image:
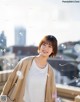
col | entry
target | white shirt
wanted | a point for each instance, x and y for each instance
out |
(35, 84)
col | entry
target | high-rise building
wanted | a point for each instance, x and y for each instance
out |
(20, 36)
(2, 39)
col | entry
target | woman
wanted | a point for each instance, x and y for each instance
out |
(34, 76)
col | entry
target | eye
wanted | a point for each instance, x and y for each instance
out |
(50, 46)
(44, 44)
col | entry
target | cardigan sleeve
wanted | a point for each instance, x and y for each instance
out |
(11, 77)
(54, 93)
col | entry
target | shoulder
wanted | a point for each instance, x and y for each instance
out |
(51, 69)
(26, 59)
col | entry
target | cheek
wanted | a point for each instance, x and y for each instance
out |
(51, 50)
(40, 49)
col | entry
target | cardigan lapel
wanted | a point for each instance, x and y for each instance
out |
(20, 97)
(48, 92)
(51, 92)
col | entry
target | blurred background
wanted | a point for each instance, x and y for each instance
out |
(24, 22)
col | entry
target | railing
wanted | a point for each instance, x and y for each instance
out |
(65, 92)
(68, 93)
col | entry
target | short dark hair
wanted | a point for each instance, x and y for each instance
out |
(51, 40)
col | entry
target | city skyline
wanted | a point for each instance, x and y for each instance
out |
(40, 17)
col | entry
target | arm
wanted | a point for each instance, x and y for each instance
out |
(11, 77)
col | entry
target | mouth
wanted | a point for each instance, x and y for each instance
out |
(44, 51)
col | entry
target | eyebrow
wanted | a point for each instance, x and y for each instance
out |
(47, 42)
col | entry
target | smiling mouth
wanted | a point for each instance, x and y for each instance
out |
(44, 52)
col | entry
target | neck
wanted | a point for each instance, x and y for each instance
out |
(41, 61)
(42, 58)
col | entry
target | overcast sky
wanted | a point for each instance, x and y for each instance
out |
(40, 17)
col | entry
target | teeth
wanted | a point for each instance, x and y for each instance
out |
(45, 52)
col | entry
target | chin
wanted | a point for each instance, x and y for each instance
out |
(44, 55)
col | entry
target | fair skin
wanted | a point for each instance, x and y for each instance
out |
(44, 52)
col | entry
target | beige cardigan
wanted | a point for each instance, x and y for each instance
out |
(18, 94)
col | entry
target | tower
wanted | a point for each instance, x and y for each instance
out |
(20, 36)
(2, 39)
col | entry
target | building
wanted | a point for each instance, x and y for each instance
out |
(20, 36)
(2, 40)
(22, 51)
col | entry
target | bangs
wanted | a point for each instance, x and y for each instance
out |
(47, 42)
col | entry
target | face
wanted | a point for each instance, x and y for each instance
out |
(46, 49)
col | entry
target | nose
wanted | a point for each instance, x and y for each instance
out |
(46, 47)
